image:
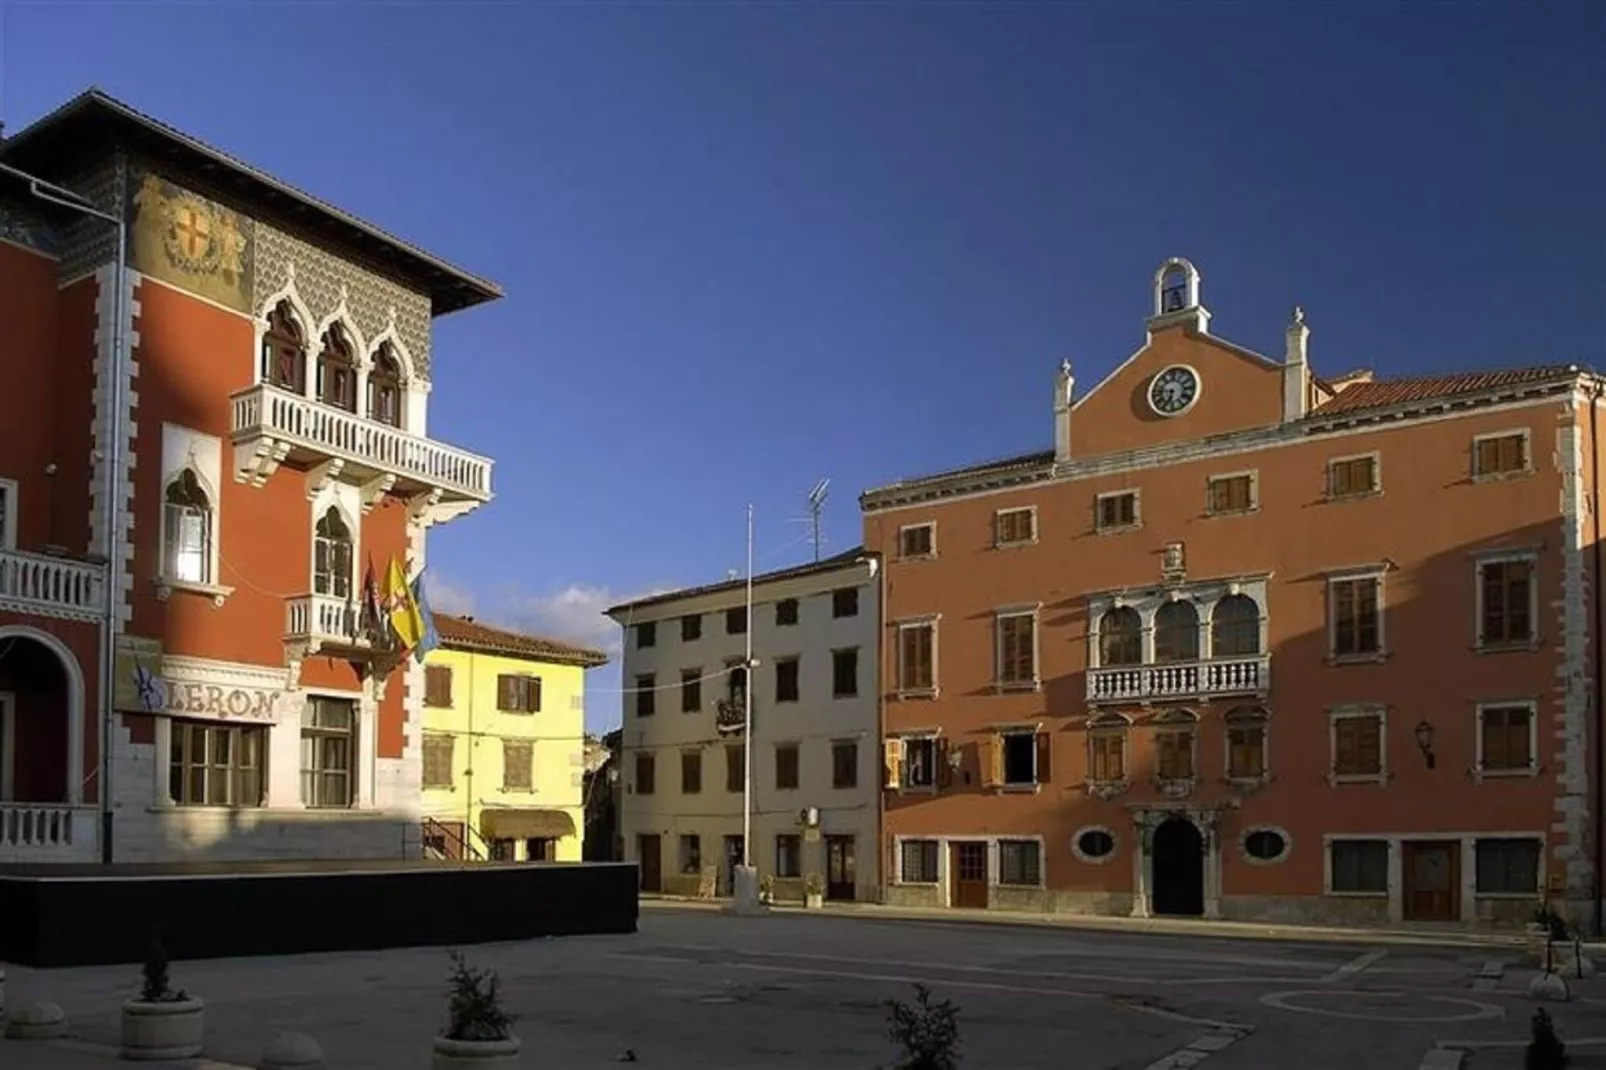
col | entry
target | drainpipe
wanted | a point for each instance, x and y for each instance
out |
(1599, 658)
(887, 861)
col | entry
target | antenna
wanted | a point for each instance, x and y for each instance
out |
(817, 498)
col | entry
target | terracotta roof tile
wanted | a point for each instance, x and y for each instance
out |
(465, 633)
(1382, 393)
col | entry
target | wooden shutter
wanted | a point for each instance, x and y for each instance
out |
(1045, 755)
(506, 693)
(944, 773)
(532, 694)
(990, 751)
(892, 760)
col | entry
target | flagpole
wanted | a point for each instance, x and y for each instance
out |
(747, 709)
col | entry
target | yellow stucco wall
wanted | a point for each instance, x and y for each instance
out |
(478, 729)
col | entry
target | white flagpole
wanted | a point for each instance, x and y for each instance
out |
(747, 709)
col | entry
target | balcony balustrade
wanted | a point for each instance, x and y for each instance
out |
(48, 832)
(1177, 681)
(51, 586)
(321, 620)
(273, 426)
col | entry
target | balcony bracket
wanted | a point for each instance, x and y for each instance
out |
(421, 506)
(257, 460)
(320, 476)
(374, 491)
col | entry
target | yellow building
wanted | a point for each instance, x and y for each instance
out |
(504, 744)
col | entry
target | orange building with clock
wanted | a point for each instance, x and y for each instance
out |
(1252, 642)
(206, 442)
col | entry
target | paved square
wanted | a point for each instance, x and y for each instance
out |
(699, 990)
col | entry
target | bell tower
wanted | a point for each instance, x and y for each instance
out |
(1176, 298)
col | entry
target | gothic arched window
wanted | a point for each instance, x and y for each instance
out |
(187, 530)
(1121, 637)
(332, 556)
(1176, 632)
(385, 388)
(337, 371)
(284, 355)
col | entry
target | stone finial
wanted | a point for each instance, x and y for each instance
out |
(1065, 368)
(1298, 318)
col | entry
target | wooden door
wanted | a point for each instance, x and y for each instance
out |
(967, 869)
(841, 867)
(649, 852)
(1432, 879)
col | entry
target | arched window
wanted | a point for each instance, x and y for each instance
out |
(1235, 627)
(337, 371)
(385, 388)
(331, 556)
(1176, 632)
(1121, 637)
(284, 357)
(1174, 290)
(187, 531)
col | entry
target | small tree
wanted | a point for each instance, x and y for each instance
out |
(154, 987)
(926, 1033)
(1545, 1050)
(474, 1004)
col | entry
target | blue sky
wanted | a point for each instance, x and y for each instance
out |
(748, 247)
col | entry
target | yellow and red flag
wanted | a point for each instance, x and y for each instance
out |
(406, 619)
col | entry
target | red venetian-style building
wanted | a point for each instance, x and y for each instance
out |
(203, 447)
(1251, 642)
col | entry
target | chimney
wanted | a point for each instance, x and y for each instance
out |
(1296, 368)
(1064, 385)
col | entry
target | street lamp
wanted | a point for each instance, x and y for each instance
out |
(62, 197)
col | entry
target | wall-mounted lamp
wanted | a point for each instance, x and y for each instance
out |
(1424, 742)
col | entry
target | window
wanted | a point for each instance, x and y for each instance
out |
(845, 602)
(736, 684)
(646, 694)
(845, 764)
(916, 647)
(1176, 632)
(438, 686)
(646, 774)
(1174, 758)
(917, 541)
(1246, 744)
(329, 752)
(1017, 649)
(8, 515)
(736, 620)
(337, 372)
(518, 694)
(1117, 511)
(1508, 866)
(1012, 527)
(1265, 845)
(735, 766)
(1358, 745)
(691, 627)
(332, 556)
(186, 532)
(691, 854)
(788, 855)
(646, 634)
(786, 766)
(385, 387)
(1505, 603)
(1500, 455)
(691, 690)
(1095, 844)
(1357, 616)
(1351, 477)
(1106, 742)
(918, 767)
(691, 772)
(917, 862)
(786, 680)
(845, 672)
(1231, 494)
(1121, 637)
(503, 850)
(438, 760)
(1235, 627)
(284, 362)
(518, 765)
(217, 765)
(786, 613)
(1505, 739)
(1019, 862)
(1360, 866)
(1018, 753)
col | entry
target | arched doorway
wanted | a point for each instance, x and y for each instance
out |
(41, 718)
(1178, 857)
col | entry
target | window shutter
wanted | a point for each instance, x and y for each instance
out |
(504, 692)
(939, 754)
(991, 753)
(1045, 754)
(892, 759)
(535, 694)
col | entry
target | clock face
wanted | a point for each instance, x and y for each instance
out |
(1173, 390)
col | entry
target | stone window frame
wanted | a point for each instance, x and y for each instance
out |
(930, 524)
(1356, 711)
(1532, 770)
(999, 514)
(1205, 596)
(995, 861)
(1101, 528)
(1243, 845)
(1378, 572)
(1375, 456)
(1032, 610)
(1175, 721)
(1095, 860)
(1528, 466)
(1392, 855)
(185, 449)
(928, 620)
(901, 741)
(897, 871)
(1239, 716)
(1539, 872)
(1252, 474)
(1481, 558)
(9, 492)
(1108, 724)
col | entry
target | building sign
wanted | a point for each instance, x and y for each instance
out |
(149, 681)
(161, 695)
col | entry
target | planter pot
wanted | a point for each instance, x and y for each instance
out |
(169, 1030)
(478, 1054)
(814, 901)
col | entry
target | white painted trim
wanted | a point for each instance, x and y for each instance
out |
(309, 337)
(1243, 845)
(333, 497)
(1095, 860)
(1356, 712)
(1391, 881)
(1532, 768)
(172, 471)
(8, 746)
(995, 862)
(1177, 722)
(999, 616)
(54, 258)
(897, 863)
(1030, 510)
(1529, 466)
(1252, 474)
(1098, 511)
(8, 517)
(1198, 390)
(74, 675)
(1495, 557)
(1375, 456)
(1378, 574)
(932, 524)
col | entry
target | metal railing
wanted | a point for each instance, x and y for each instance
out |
(468, 844)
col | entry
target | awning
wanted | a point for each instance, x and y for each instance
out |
(526, 824)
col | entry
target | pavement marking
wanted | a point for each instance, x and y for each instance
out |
(1284, 1001)
(1354, 966)
(1470, 1045)
(1488, 978)
(1201, 1049)
(1443, 1059)
(986, 986)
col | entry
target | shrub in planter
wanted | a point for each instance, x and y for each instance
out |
(766, 888)
(161, 1022)
(479, 1032)
(813, 891)
(926, 1033)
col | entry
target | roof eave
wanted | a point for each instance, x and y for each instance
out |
(845, 560)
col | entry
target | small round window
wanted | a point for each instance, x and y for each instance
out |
(1265, 845)
(1095, 843)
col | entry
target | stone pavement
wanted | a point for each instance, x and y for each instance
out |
(699, 990)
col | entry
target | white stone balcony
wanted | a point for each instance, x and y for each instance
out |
(48, 832)
(322, 621)
(273, 427)
(1181, 680)
(51, 586)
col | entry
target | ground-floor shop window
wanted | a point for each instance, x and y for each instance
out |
(1360, 866)
(1019, 862)
(329, 752)
(217, 765)
(918, 862)
(1508, 866)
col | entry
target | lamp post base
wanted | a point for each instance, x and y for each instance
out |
(745, 902)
